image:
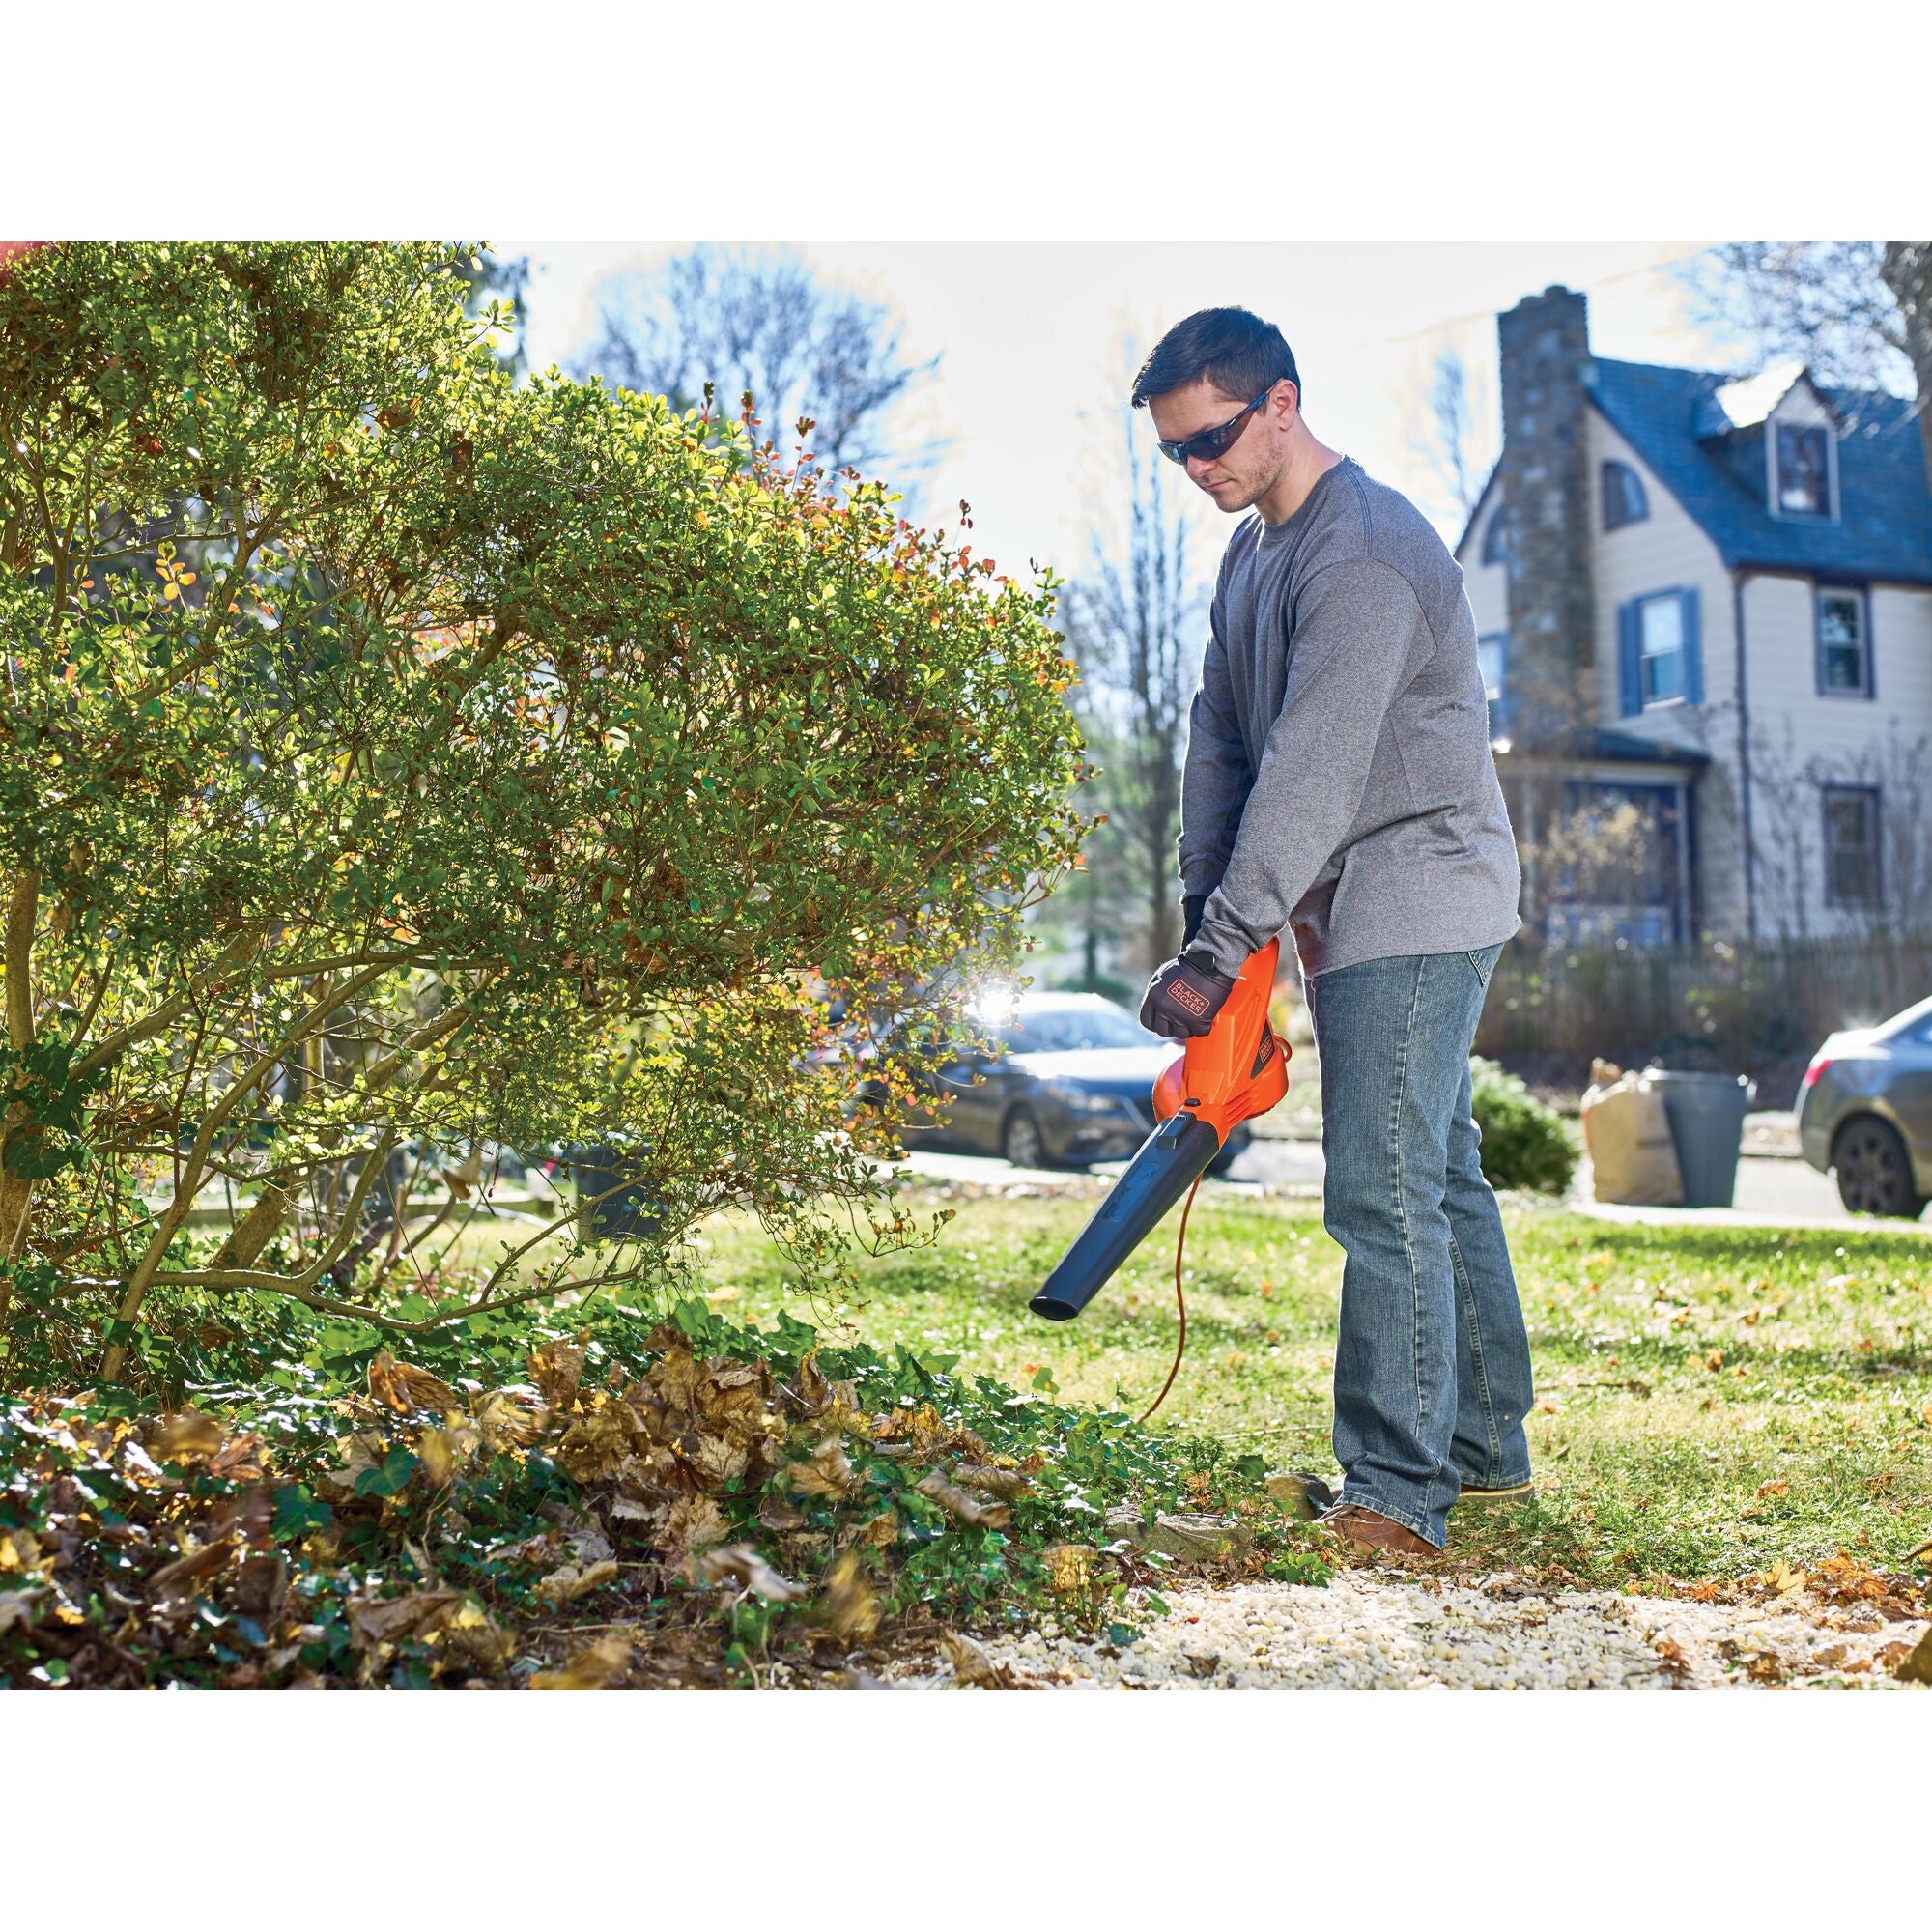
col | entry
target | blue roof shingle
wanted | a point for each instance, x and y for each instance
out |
(1884, 524)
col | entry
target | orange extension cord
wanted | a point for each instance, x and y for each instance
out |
(1179, 1301)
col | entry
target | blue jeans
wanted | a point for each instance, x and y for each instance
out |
(1431, 1368)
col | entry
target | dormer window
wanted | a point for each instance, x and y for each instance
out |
(1495, 539)
(1801, 485)
(1624, 498)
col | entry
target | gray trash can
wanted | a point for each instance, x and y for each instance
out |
(1706, 1112)
(616, 1216)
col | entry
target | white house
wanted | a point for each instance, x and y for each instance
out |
(1710, 600)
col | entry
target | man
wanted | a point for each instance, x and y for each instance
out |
(1339, 782)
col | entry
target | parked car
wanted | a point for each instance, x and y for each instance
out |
(1074, 1084)
(1865, 1112)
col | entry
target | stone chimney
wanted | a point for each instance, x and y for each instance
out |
(1544, 345)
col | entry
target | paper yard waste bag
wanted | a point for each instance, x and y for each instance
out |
(1628, 1134)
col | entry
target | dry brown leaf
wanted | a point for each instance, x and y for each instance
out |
(777, 1514)
(380, 1621)
(597, 1445)
(629, 1509)
(836, 1404)
(921, 1427)
(810, 1390)
(956, 1503)
(19, 1549)
(508, 1419)
(16, 1607)
(1007, 1483)
(361, 1450)
(718, 1460)
(694, 1523)
(262, 1584)
(469, 1630)
(566, 1584)
(588, 1544)
(851, 1610)
(1915, 1666)
(405, 1387)
(1069, 1567)
(591, 1668)
(241, 1459)
(673, 1376)
(557, 1367)
(446, 1450)
(1670, 1653)
(525, 1549)
(829, 1473)
(193, 1564)
(971, 1664)
(182, 1435)
(739, 1563)
(882, 1531)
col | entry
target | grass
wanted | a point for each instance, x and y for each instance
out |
(1711, 1402)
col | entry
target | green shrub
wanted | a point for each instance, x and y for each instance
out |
(397, 760)
(1525, 1143)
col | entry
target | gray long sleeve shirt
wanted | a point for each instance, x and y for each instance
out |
(1339, 777)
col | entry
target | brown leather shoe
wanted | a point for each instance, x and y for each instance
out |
(1507, 1493)
(1363, 1530)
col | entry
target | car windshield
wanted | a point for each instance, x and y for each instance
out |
(1072, 1029)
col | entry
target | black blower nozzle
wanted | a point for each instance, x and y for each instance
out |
(1171, 1159)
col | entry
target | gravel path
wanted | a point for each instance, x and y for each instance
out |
(1364, 1631)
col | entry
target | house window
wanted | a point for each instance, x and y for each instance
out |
(1495, 539)
(1803, 470)
(1851, 846)
(1661, 647)
(1493, 655)
(1844, 644)
(1624, 498)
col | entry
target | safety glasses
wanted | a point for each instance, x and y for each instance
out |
(1210, 443)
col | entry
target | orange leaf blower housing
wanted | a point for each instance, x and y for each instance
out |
(1236, 1070)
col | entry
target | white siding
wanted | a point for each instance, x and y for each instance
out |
(1487, 583)
(1802, 739)
(1668, 551)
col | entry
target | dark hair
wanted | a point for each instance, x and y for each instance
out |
(1239, 353)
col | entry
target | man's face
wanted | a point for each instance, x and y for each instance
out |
(1247, 468)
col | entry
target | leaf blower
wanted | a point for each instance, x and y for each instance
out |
(1236, 1070)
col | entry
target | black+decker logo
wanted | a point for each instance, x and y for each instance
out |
(1184, 995)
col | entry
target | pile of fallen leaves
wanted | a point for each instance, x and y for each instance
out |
(719, 1507)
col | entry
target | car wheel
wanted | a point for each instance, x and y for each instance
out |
(1874, 1171)
(1020, 1140)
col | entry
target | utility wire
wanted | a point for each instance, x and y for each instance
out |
(1600, 282)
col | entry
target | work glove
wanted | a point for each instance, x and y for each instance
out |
(1191, 909)
(1183, 997)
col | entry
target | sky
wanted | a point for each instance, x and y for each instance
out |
(1033, 370)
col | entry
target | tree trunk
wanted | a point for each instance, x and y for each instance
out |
(16, 1190)
(1908, 275)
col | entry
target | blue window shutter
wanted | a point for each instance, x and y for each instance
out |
(1694, 651)
(1630, 670)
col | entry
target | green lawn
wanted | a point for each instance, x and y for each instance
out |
(1711, 1402)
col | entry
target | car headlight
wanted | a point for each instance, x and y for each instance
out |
(1082, 1099)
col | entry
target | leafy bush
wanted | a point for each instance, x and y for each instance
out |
(1525, 1143)
(397, 762)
